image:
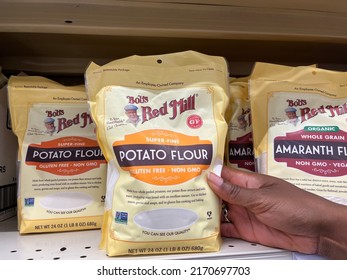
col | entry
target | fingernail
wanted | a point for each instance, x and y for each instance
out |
(215, 179)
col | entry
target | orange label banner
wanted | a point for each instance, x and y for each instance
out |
(163, 157)
(65, 156)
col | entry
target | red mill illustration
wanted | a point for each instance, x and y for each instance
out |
(177, 107)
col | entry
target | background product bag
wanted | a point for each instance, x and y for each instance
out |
(161, 127)
(300, 128)
(239, 140)
(62, 171)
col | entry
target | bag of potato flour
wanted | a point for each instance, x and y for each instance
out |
(161, 127)
(299, 126)
(62, 171)
(239, 140)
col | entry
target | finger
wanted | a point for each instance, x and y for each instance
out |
(241, 226)
(229, 230)
(241, 178)
(230, 193)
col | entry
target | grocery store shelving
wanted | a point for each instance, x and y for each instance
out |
(84, 245)
(60, 37)
(63, 36)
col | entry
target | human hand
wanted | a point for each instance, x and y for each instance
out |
(271, 211)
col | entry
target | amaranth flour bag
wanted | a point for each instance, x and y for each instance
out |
(239, 141)
(300, 128)
(161, 126)
(62, 171)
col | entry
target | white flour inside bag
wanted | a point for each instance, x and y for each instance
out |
(161, 126)
(62, 169)
(300, 126)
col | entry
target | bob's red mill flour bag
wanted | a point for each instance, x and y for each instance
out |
(239, 140)
(161, 127)
(62, 171)
(300, 126)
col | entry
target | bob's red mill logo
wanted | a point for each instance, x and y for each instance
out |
(172, 108)
(80, 119)
(307, 113)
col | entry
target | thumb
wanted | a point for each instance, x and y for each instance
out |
(228, 192)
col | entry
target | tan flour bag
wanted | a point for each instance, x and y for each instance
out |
(278, 72)
(62, 171)
(161, 126)
(300, 127)
(239, 140)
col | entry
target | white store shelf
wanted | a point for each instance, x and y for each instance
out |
(84, 245)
